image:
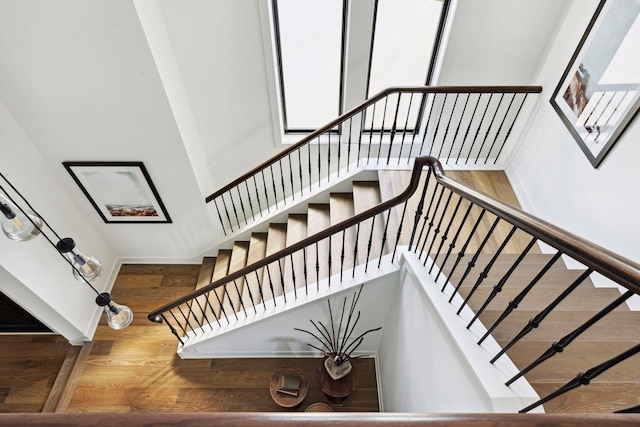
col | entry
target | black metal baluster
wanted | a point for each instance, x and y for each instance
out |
(452, 245)
(284, 292)
(373, 118)
(499, 128)
(562, 343)
(431, 219)
(210, 307)
(318, 269)
(293, 277)
(455, 135)
(445, 235)
(435, 134)
(204, 315)
(585, 378)
(399, 233)
(426, 127)
(370, 243)
(293, 191)
(248, 288)
(513, 304)
(360, 133)
(240, 299)
(179, 326)
(226, 292)
(463, 249)
(495, 113)
(328, 155)
(436, 232)
(310, 171)
(300, 171)
(244, 214)
(485, 272)
(304, 270)
(264, 304)
(384, 119)
(392, 135)
(226, 210)
(186, 319)
(446, 131)
(235, 212)
(474, 258)
(171, 328)
(538, 318)
(253, 215)
(284, 191)
(404, 131)
(473, 143)
(384, 236)
(329, 261)
(513, 122)
(222, 310)
(255, 186)
(355, 249)
(224, 230)
(273, 294)
(273, 183)
(339, 151)
(266, 194)
(416, 130)
(349, 145)
(466, 133)
(416, 220)
(498, 287)
(342, 254)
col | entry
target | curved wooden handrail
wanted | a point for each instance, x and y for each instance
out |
(420, 162)
(362, 107)
(270, 419)
(609, 264)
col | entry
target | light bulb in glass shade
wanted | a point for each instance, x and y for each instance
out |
(16, 226)
(85, 266)
(118, 316)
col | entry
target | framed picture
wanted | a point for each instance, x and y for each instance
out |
(598, 95)
(120, 191)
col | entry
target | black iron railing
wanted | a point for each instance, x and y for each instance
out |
(466, 125)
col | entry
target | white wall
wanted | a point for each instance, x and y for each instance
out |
(554, 180)
(32, 273)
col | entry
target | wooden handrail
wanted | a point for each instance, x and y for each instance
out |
(420, 162)
(609, 264)
(362, 107)
(270, 419)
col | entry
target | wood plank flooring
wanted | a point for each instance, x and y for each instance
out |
(137, 369)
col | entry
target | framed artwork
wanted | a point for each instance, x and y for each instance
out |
(121, 192)
(598, 95)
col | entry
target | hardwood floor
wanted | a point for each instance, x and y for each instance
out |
(137, 369)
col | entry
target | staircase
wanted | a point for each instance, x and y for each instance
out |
(290, 277)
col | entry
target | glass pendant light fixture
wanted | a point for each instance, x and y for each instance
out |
(15, 224)
(118, 316)
(20, 224)
(85, 266)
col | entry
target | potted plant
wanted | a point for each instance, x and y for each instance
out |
(337, 343)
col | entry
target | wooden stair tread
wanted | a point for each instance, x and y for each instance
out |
(341, 208)
(276, 240)
(206, 271)
(366, 194)
(318, 219)
(257, 251)
(234, 289)
(294, 265)
(220, 270)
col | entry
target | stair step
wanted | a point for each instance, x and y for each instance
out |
(341, 208)
(234, 289)
(366, 194)
(294, 265)
(257, 251)
(206, 272)
(276, 240)
(318, 219)
(220, 271)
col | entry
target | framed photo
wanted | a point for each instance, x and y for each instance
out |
(598, 95)
(120, 191)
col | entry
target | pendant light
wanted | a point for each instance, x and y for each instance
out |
(24, 223)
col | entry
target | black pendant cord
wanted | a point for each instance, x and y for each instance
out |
(41, 228)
